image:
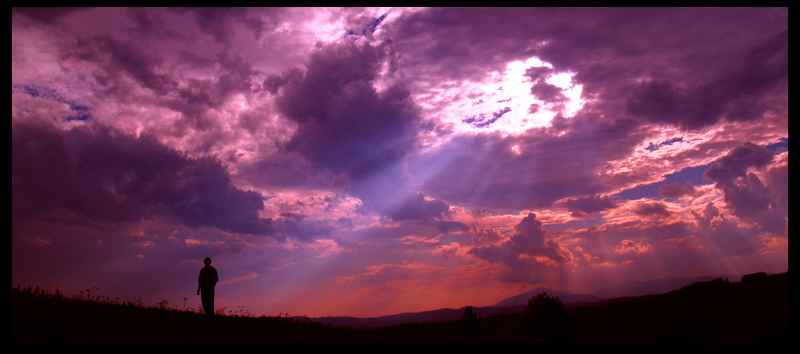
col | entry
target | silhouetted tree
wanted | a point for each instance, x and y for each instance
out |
(547, 317)
(470, 321)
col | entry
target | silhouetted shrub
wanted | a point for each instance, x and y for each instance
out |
(710, 287)
(547, 317)
(755, 277)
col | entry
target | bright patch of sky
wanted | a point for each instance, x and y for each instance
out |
(504, 102)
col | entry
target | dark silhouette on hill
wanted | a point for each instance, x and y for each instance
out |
(628, 289)
(470, 321)
(756, 309)
(548, 318)
(206, 282)
(515, 304)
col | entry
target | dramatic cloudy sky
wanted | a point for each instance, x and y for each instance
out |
(365, 162)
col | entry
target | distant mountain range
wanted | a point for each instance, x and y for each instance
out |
(631, 289)
(517, 302)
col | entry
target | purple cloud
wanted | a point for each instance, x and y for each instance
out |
(583, 206)
(337, 110)
(731, 96)
(105, 175)
(744, 193)
(647, 209)
(346, 125)
(525, 254)
(677, 190)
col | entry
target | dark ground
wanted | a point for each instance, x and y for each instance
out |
(753, 310)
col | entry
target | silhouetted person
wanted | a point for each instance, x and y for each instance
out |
(205, 286)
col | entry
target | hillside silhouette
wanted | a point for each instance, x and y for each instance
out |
(516, 303)
(755, 309)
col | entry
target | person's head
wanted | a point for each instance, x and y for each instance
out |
(207, 261)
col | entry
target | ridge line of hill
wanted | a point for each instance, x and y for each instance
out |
(515, 303)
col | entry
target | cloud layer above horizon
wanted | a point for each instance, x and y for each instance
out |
(350, 161)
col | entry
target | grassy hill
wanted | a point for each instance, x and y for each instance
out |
(755, 309)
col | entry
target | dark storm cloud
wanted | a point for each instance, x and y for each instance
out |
(346, 125)
(105, 175)
(731, 96)
(745, 194)
(727, 169)
(648, 209)
(691, 77)
(582, 206)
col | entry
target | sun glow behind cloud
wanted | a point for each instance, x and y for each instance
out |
(503, 102)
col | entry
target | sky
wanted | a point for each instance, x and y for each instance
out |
(373, 161)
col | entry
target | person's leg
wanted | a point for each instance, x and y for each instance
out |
(207, 297)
